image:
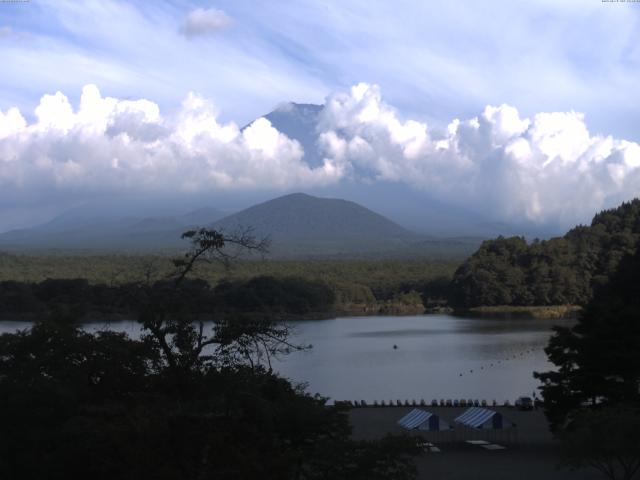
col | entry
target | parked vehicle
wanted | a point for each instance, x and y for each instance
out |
(524, 403)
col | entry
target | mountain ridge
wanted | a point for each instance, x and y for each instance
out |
(299, 226)
(108, 233)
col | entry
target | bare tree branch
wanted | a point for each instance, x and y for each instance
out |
(210, 245)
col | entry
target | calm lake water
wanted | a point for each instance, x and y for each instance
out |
(437, 356)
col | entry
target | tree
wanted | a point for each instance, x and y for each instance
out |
(595, 389)
(607, 439)
(180, 403)
(182, 338)
(562, 270)
(598, 359)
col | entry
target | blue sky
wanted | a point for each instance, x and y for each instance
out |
(433, 60)
(427, 62)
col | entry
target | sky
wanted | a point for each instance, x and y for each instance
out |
(514, 109)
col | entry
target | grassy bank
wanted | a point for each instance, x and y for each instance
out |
(550, 311)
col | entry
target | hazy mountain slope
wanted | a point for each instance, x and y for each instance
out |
(299, 121)
(69, 231)
(409, 206)
(300, 224)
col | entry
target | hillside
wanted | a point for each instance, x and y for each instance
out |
(303, 225)
(414, 209)
(562, 270)
(300, 121)
(299, 226)
(80, 232)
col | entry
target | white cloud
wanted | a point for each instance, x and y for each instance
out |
(202, 21)
(547, 169)
(108, 145)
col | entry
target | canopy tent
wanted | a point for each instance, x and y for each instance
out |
(481, 418)
(422, 420)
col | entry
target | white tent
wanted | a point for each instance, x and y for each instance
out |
(481, 418)
(422, 420)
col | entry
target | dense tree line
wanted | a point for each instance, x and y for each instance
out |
(356, 284)
(592, 397)
(563, 270)
(257, 295)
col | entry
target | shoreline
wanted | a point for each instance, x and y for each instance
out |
(502, 311)
(521, 311)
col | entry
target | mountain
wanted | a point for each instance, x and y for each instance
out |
(299, 121)
(79, 229)
(411, 207)
(301, 225)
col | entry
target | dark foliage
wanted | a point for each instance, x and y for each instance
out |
(78, 405)
(607, 439)
(358, 285)
(592, 398)
(181, 403)
(286, 295)
(566, 270)
(598, 359)
(257, 295)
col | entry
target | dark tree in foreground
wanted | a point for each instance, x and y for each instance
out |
(607, 439)
(167, 316)
(598, 359)
(596, 387)
(181, 403)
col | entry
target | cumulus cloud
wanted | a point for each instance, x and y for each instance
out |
(107, 145)
(201, 22)
(548, 168)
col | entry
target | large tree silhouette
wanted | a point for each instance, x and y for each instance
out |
(180, 403)
(595, 390)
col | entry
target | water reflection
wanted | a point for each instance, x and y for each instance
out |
(437, 356)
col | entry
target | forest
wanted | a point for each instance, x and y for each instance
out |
(109, 284)
(502, 272)
(560, 271)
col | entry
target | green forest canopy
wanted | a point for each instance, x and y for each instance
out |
(504, 271)
(111, 281)
(563, 270)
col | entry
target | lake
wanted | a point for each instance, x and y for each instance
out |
(437, 356)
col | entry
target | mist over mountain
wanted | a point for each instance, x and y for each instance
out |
(538, 173)
(336, 227)
(299, 121)
(81, 229)
(414, 209)
(299, 226)
(463, 182)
